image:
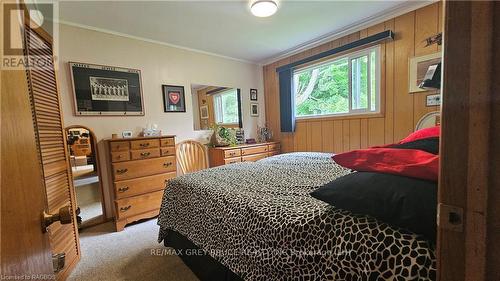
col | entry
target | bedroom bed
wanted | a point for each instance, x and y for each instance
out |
(258, 221)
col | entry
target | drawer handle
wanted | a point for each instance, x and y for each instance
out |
(124, 209)
(232, 153)
(121, 171)
(145, 154)
(119, 156)
(123, 189)
(165, 165)
(144, 144)
(243, 152)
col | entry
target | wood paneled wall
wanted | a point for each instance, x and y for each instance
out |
(400, 110)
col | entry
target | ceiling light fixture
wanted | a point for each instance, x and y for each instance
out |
(264, 8)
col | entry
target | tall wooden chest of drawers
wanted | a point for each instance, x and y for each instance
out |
(242, 153)
(140, 168)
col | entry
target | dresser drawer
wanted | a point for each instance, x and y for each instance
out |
(232, 153)
(272, 153)
(254, 150)
(118, 156)
(145, 153)
(141, 168)
(254, 157)
(119, 145)
(142, 144)
(167, 142)
(274, 146)
(232, 160)
(167, 151)
(127, 188)
(138, 204)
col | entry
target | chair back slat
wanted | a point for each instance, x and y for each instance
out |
(191, 156)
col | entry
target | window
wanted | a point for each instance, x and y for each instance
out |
(226, 107)
(345, 85)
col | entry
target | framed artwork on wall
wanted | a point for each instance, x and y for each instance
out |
(106, 90)
(173, 98)
(254, 109)
(253, 94)
(418, 68)
(204, 112)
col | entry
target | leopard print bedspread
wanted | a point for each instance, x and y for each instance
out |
(259, 220)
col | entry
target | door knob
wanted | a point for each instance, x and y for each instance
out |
(63, 216)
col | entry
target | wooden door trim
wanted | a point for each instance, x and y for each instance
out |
(101, 218)
(465, 137)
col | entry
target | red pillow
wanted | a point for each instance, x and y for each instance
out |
(404, 162)
(422, 134)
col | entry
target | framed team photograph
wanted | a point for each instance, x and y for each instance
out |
(173, 98)
(106, 90)
(253, 94)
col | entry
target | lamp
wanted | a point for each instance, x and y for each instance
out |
(264, 8)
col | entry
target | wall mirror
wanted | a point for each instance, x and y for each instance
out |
(216, 105)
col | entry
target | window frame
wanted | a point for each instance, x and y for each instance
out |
(218, 106)
(353, 113)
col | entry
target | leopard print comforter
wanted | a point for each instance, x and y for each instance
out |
(259, 220)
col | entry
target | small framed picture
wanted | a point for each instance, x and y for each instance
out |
(253, 94)
(418, 67)
(254, 109)
(204, 112)
(173, 98)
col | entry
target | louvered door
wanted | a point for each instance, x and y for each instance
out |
(52, 148)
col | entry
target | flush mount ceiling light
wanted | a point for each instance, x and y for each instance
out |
(264, 8)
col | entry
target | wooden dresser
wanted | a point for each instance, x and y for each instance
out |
(242, 153)
(140, 168)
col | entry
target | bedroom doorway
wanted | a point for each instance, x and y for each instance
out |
(84, 162)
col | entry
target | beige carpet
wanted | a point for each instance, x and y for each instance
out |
(126, 255)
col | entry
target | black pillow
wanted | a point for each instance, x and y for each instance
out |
(396, 200)
(430, 145)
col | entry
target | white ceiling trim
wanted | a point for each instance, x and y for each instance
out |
(357, 26)
(88, 27)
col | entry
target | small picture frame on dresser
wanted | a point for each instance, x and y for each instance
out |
(127, 134)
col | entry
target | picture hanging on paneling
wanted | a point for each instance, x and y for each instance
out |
(173, 98)
(106, 90)
(418, 69)
(204, 112)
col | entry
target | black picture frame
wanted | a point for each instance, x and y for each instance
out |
(169, 93)
(253, 95)
(100, 90)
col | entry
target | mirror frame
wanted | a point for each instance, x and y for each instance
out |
(238, 96)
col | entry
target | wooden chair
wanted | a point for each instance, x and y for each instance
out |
(191, 156)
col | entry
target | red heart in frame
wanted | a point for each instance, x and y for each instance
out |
(174, 97)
